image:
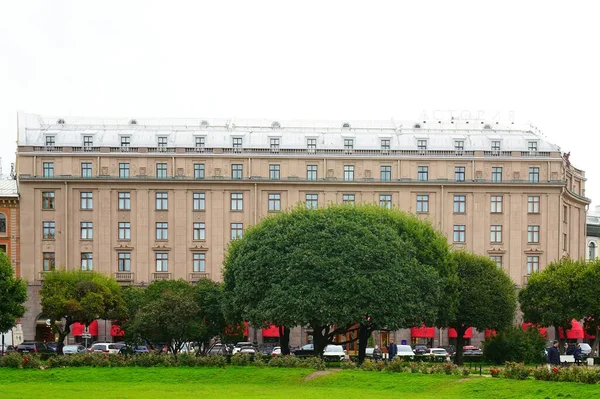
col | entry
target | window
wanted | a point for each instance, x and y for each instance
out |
(459, 173)
(592, 250)
(198, 171)
(460, 203)
(86, 261)
(497, 174)
(496, 233)
(565, 242)
(3, 248)
(236, 171)
(162, 201)
(534, 174)
(162, 142)
(199, 262)
(532, 146)
(124, 170)
(48, 200)
(48, 169)
(200, 141)
(88, 141)
(274, 143)
(496, 204)
(237, 201)
(459, 145)
(422, 173)
(385, 144)
(497, 259)
(348, 144)
(312, 201)
(124, 231)
(162, 262)
(533, 204)
(161, 170)
(86, 169)
(459, 233)
(348, 199)
(274, 172)
(495, 145)
(124, 261)
(348, 172)
(386, 173)
(422, 203)
(311, 144)
(48, 261)
(199, 231)
(125, 141)
(199, 201)
(86, 200)
(87, 230)
(533, 264)
(533, 234)
(237, 142)
(565, 213)
(124, 201)
(50, 141)
(2, 223)
(162, 231)
(385, 201)
(236, 231)
(48, 232)
(274, 202)
(311, 172)
(422, 145)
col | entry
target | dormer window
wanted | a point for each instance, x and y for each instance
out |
(532, 146)
(385, 144)
(200, 141)
(495, 145)
(346, 125)
(50, 141)
(162, 142)
(348, 144)
(459, 145)
(311, 144)
(422, 145)
(88, 141)
(125, 141)
(237, 142)
(274, 143)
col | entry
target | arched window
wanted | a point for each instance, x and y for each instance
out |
(592, 250)
(2, 223)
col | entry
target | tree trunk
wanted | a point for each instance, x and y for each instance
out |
(595, 344)
(61, 337)
(363, 337)
(2, 348)
(319, 339)
(284, 340)
(460, 342)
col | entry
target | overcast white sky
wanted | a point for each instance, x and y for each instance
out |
(307, 60)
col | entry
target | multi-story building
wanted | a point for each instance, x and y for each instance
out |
(161, 199)
(593, 233)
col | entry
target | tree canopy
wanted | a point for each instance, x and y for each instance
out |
(587, 295)
(13, 292)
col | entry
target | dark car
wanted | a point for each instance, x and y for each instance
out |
(133, 350)
(306, 350)
(450, 349)
(420, 349)
(7, 349)
(36, 347)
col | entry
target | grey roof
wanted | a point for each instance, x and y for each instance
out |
(8, 188)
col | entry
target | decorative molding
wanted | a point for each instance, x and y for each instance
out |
(160, 247)
(197, 248)
(122, 248)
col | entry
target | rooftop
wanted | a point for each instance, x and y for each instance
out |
(8, 188)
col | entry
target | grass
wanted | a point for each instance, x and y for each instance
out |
(251, 382)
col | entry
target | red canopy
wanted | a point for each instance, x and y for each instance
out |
(542, 330)
(77, 329)
(116, 331)
(270, 332)
(489, 333)
(422, 332)
(575, 332)
(453, 334)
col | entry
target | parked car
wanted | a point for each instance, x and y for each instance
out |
(586, 349)
(52, 345)
(34, 347)
(406, 352)
(104, 347)
(420, 349)
(7, 349)
(71, 349)
(450, 349)
(276, 351)
(244, 347)
(133, 350)
(306, 350)
(218, 349)
(334, 353)
(438, 354)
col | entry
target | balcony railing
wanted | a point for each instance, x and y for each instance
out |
(197, 276)
(198, 150)
(160, 150)
(123, 149)
(496, 153)
(86, 149)
(124, 277)
(537, 154)
(48, 148)
(161, 276)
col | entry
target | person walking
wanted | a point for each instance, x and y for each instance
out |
(377, 354)
(577, 353)
(392, 350)
(554, 355)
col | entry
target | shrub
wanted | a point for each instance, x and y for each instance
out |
(450, 368)
(240, 359)
(515, 345)
(495, 371)
(369, 365)
(348, 365)
(397, 365)
(313, 363)
(516, 371)
(465, 372)
(19, 361)
(152, 360)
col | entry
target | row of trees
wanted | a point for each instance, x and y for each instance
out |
(13, 294)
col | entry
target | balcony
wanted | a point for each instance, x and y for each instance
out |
(48, 148)
(86, 149)
(197, 276)
(124, 277)
(536, 154)
(161, 276)
(123, 149)
(161, 150)
(198, 150)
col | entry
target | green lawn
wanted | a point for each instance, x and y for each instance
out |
(251, 382)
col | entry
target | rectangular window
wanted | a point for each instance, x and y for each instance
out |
(565, 242)
(422, 203)
(48, 230)
(533, 264)
(236, 231)
(459, 173)
(422, 173)
(162, 262)
(48, 261)
(460, 202)
(124, 170)
(124, 231)
(495, 145)
(162, 201)
(87, 230)
(48, 169)
(199, 201)
(124, 201)
(496, 233)
(422, 145)
(496, 204)
(161, 170)
(87, 201)
(311, 172)
(459, 145)
(385, 144)
(312, 201)
(162, 231)
(348, 172)
(532, 146)
(198, 171)
(274, 143)
(348, 144)
(88, 141)
(533, 234)
(236, 171)
(565, 213)
(200, 141)
(199, 231)
(87, 261)
(237, 201)
(48, 200)
(199, 262)
(348, 199)
(237, 142)
(534, 174)
(274, 202)
(311, 144)
(50, 141)
(162, 142)
(386, 173)
(86, 169)
(125, 141)
(459, 233)
(497, 259)
(497, 174)
(274, 172)
(124, 261)
(533, 204)
(385, 201)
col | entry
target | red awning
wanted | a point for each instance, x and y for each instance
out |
(422, 332)
(77, 329)
(575, 332)
(453, 334)
(542, 330)
(116, 331)
(270, 332)
(489, 333)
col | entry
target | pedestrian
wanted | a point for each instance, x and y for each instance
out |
(566, 348)
(392, 350)
(577, 353)
(377, 354)
(554, 355)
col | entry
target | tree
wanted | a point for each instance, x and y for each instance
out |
(515, 345)
(486, 297)
(338, 269)
(549, 298)
(13, 292)
(587, 293)
(78, 296)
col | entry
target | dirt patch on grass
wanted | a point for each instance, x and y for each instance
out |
(320, 374)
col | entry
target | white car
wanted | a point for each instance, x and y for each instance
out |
(71, 349)
(586, 349)
(276, 351)
(334, 352)
(104, 347)
(405, 351)
(438, 354)
(244, 347)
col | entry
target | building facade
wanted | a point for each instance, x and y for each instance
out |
(593, 233)
(161, 199)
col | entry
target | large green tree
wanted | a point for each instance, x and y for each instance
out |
(337, 268)
(587, 295)
(69, 296)
(13, 294)
(487, 297)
